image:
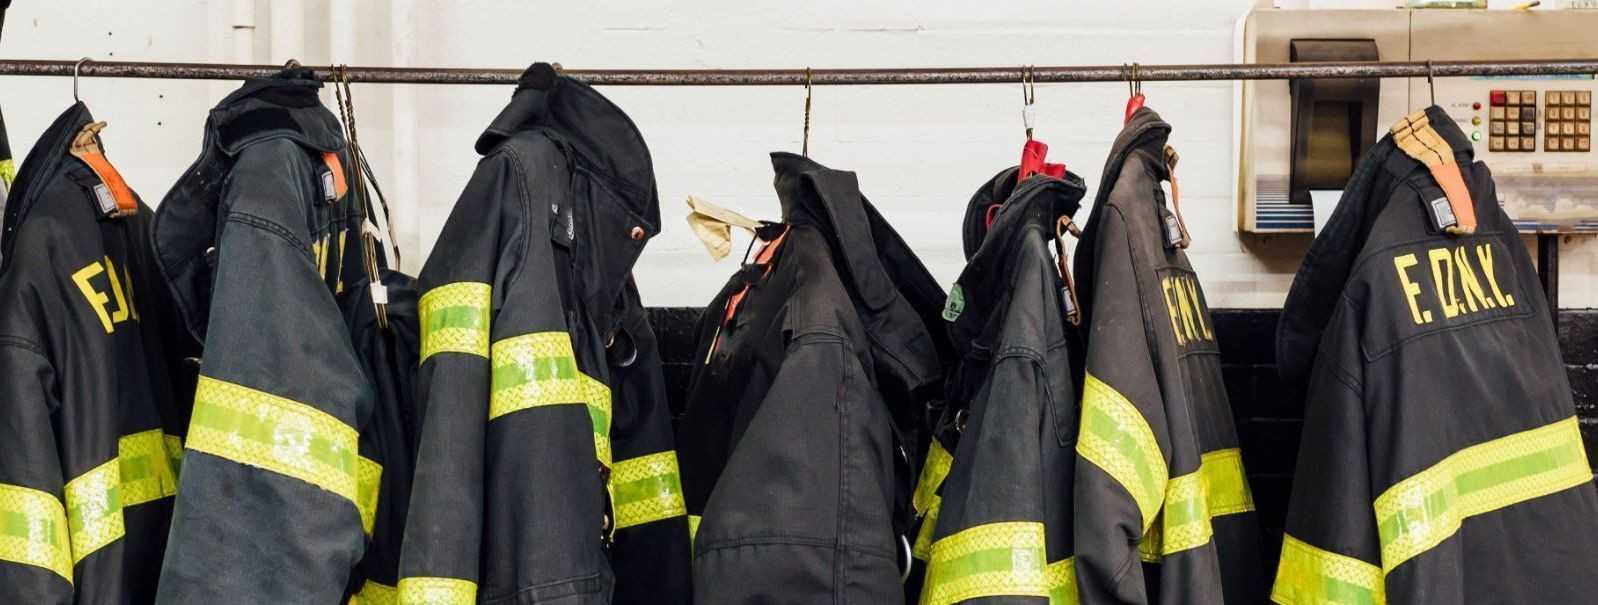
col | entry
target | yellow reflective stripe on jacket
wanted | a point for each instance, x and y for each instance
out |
(1061, 576)
(265, 431)
(94, 509)
(929, 525)
(1308, 575)
(148, 471)
(368, 480)
(373, 593)
(693, 527)
(1420, 512)
(1116, 438)
(647, 489)
(33, 530)
(933, 472)
(1218, 488)
(437, 591)
(174, 452)
(987, 560)
(8, 172)
(540, 369)
(454, 317)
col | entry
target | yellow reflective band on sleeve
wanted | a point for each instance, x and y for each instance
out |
(33, 530)
(94, 509)
(368, 480)
(1218, 488)
(540, 369)
(1420, 512)
(1310, 576)
(647, 489)
(933, 471)
(437, 591)
(929, 525)
(373, 593)
(148, 471)
(1117, 439)
(454, 317)
(997, 559)
(280, 435)
(1061, 576)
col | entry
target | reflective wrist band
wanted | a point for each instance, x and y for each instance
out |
(455, 317)
(373, 593)
(1420, 512)
(33, 530)
(437, 591)
(1218, 488)
(647, 489)
(540, 369)
(368, 482)
(266, 431)
(149, 472)
(997, 559)
(1116, 438)
(1308, 575)
(1061, 576)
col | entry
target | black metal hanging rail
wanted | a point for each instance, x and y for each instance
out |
(829, 77)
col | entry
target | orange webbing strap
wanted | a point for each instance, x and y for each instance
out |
(116, 199)
(1062, 226)
(339, 186)
(1176, 197)
(1415, 136)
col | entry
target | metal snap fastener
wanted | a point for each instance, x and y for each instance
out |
(638, 233)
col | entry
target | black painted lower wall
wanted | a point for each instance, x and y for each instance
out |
(1269, 415)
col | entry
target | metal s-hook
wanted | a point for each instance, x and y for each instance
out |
(805, 147)
(1137, 83)
(1029, 96)
(76, 68)
(1431, 85)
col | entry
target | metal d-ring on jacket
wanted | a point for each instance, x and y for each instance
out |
(92, 387)
(258, 241)
(1003, 513)
(1159, 475)
(1441, 460)
(529, 488)
(818, 361)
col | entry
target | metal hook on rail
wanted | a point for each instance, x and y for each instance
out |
(805, 147)
(76, 67)
(1029, 96)
(1431, 85)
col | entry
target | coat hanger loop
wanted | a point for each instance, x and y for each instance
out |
(291, 63)
(809, 78)
(1431, 84)
(76, 68)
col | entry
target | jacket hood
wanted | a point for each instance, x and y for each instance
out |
(1318, 285)
(605, 144)
(285, 106)
(985, 283)
(44, 161)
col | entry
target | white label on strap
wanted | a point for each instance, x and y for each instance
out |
(102, 194)
(379, 294)
(329, 188)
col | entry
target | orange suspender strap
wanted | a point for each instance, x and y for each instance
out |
(116, 199)
(1415, 136)
(333, 164)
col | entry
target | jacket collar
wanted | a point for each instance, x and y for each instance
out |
(285, 105)
(830, 200)
(44, 161)
(985, 283)
(1318, 284)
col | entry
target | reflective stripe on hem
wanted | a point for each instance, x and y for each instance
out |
(94, 509)
(368, 482)
(266, 431)
(1420, 512)
(1061, 576)
(647, 489)
(987, 560)
(373, 593)
(933, 472)
(437, 591)
(33, 530)
(540, 369)
(1218, 488)
(1308, 575)
(149, 472)
(1116, 438)
(455, 318)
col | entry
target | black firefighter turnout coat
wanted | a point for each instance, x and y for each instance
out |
(91, 381)
(817, 362)
(545, 472)
(1003, 516)
(1441, 461)
(258, 243)
(1159, 475)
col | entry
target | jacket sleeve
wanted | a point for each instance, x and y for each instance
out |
(439, 561)
(35, 554)
(1332, 552)
(267, 500)
(1122, 446)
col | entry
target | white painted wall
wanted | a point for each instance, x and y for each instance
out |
(920, 151)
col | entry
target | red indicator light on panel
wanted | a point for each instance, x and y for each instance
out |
(1498, 98)
(1476, 105)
